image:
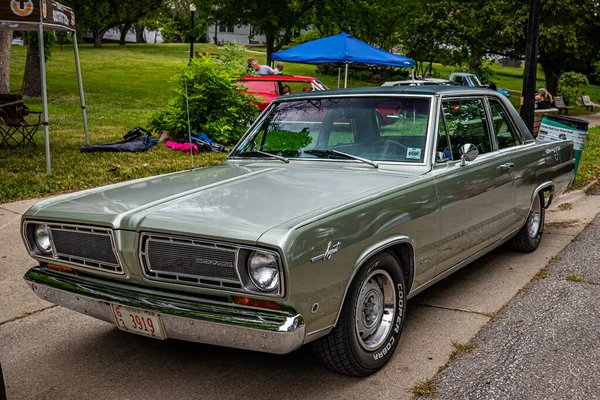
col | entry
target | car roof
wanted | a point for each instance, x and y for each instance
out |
(427, 90)
(426, 81)
(462, 74)
(278, 78)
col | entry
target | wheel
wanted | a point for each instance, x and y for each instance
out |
(384, 144)
(529, 237)
(371, 320)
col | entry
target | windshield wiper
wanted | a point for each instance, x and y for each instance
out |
(264, 153)
(274, 156)
(339, 153)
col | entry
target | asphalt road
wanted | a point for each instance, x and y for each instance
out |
(49, 352)
(544, 345)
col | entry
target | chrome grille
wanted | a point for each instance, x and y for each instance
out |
(83, 246)
(189, 261)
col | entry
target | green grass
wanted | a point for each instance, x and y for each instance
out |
(425, 388)
(122, 85)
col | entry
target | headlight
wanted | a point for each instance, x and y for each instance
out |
(263, 270)
(42, 238)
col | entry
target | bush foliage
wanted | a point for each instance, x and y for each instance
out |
(567, 84)
(219, 106)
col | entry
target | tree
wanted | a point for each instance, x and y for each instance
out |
(569, 37)
(376, 22)
(98, 16)
(6, 36)
(32, 78)
(277, 21)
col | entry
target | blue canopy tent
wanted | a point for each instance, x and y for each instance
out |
(342, 49)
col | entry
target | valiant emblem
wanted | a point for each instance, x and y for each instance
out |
(331, 250)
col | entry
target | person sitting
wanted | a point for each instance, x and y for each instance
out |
(543, 100)
(250, 69)
(279, 68)
(547, 96)
(262, 70)
(286, 90)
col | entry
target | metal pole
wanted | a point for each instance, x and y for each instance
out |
(192, 38)
(44, 97)
(529, 75)
(80, 82)
(339, 76)
(413, 74)
(346, 77)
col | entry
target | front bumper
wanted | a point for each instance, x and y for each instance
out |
(216, 324)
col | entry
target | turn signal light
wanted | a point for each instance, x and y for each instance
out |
(247, 301)
(60, 268)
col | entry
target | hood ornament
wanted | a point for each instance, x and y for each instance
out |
(331, 250)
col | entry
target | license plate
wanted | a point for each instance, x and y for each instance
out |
(138, 321)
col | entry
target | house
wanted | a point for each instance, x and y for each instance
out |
(242, 34)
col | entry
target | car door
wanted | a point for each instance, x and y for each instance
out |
(475, 199)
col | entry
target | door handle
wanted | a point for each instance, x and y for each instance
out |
(507, 166)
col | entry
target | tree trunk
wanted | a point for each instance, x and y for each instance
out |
(32, 79)
(270, 38)
(123, 29)
(5, 48)
(139, 33)
(98, 38)
(551, 78)
(475, 60)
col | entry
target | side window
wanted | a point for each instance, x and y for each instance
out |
(443, 152)
(342, 132)
(505, 136)
(467, 123)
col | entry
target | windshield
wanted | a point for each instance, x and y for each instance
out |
(371, 128)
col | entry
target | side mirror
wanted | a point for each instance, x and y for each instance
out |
(468, 152)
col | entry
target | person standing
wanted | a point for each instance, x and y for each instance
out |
(279, 68)
(262, 69)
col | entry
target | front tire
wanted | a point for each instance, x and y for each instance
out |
(529, 237)
(371, 320)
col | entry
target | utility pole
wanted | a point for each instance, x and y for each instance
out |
(529, 74)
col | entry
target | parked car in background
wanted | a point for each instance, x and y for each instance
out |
(420, 82)
(269, 87)
(318, 227)
(472, 80)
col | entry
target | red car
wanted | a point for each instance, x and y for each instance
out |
(267, 87)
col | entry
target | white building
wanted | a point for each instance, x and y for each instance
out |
(232, 33)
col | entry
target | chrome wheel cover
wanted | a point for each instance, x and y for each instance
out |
(535, 218)
(375, 310)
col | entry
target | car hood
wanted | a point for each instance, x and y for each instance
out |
(232, 202)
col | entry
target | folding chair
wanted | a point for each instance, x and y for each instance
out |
(15, 130)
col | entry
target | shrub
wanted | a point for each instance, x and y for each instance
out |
(219, 105)
(567, 84)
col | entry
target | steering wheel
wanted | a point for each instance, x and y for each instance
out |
(383, 144)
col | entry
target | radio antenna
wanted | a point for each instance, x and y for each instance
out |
(187, 106)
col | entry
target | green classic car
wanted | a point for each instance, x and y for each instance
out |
(321, 224)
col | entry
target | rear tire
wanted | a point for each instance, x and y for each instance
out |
(371, 320)
(529, 237)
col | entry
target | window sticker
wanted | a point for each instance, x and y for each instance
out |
(413, 153)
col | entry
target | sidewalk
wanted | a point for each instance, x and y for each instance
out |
(544, 344)
(593, 119)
